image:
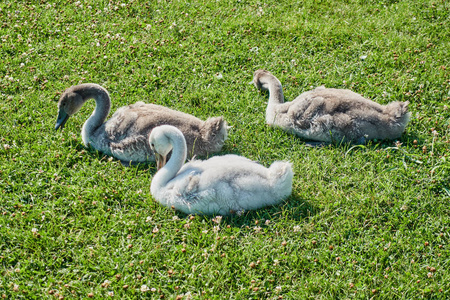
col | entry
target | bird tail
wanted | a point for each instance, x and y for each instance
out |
(399, 112)
(215, 131)
(397, 109)
(281, 175)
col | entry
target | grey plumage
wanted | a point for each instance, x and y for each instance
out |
(326, 114)
(125, 134)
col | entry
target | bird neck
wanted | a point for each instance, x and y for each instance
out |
(176, 161)
(101, 111)
(275, 93)
(276, 97)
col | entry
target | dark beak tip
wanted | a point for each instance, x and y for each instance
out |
(61, 121)
(59, 125)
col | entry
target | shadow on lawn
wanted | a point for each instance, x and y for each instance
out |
(407, 139)
(95, 154)
(293, 208)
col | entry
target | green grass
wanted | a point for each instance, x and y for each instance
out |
(362, 222)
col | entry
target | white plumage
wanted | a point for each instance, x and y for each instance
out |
(125, 134)
(326, 115)
(220, 185)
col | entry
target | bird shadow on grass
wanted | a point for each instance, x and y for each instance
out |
(407, 139)
(293, 208)
(98, 156)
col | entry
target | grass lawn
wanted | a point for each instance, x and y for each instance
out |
(363, 222)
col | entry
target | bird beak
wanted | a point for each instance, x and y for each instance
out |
(61, 120)
(160, 161)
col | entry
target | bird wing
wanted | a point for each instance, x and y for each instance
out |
(132, 149)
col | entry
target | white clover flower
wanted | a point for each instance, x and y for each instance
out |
(144, 288)
(297, 228)
(217, 219)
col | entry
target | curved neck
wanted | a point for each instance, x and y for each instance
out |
(101, 111)
(275, 93)
(176, 161)
(266, 81)
(276, 97)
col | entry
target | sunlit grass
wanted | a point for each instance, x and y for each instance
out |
(364, 221)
